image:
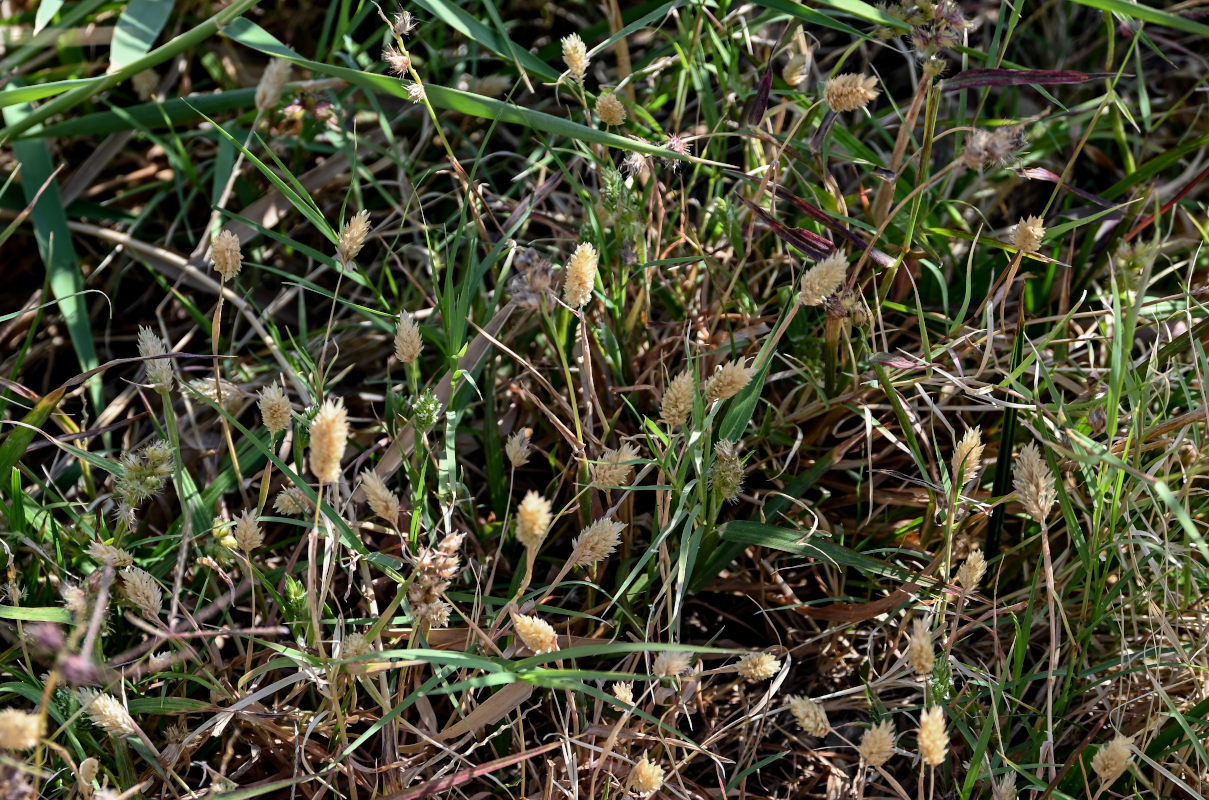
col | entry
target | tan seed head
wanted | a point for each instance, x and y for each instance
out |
(596, 542)
(581, 276)
(107, 713)
(759, 666)
(408, 341)
(920, 654)
(142, 591)
(533, 518)
(575, 56)
(678, 400)
(877, 744)
(20, 730)
(272, 81)
(1112, 759)
(933, 739)
(610, 109)
(727, 381)
(811, 716)
(849, 92)
(967, 458)
(352, 238)
(823, 279)
(646, 777)
(537, 634)
(1028, 234)
(275, 410)
(381, 500)
(329, 437)
(248, 535)
(226, 255)
(1034, 483)
(612, 469)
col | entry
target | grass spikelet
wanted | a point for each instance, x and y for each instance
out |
(108, 554)
(226, 254)
(612, 469)
(596, 542)
(823, 279)
(810, 715)
(967, 458)
(272, 81)
(352, 238)
(1027, 235)
(580, 276)
(248, 535)
(382, 501)
(408, 341)
(758, 666)
(533, 518)
(610, 110)
(1112, 759)
(20, 730)
(920, 653)
(159, 371)
(646, 777)
(849, 92)
(671, 664)
(575, 56)
(877, 744)
(1034, 483)
(933, 739)
(142, 591)
(107, 713)
(275, 411)
(678, 400)
(537, 634)
(971, 572)
(329, 437)
(727, 381)
(517, 449)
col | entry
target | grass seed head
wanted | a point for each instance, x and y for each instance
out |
(142, 591)
(329, 437)
(646, 777)
(612, 469)
(517, 448)
(408, 341)
(580, 276)
(1006, 788)
(382, 500)
(933, 739)
(727, 381)
(354, 645)
(597, 542)
(415, 92)
(967, 458)
(1027, 235)
(275, 410)
(20, 730)
(823, 279)
(623, 691)
(404, 23)
(352, 238)
(759, 666)
(920, 654)
(219, 390)
(849, 92)
(435, 614)
(226, 254)
(248, 535)
(292, 502)
(272, 81)
(610, 109)
(107, 713)
(575, 56)
(671, 664)
(678, 400)
(108, 554)
(794, 71)
(971, 572)
(159, 371)
(877, 744)
(1112, 759)
(533, 518)
(537, 634)
(811, 716)
(1034, 483)
(726, 474)
(398, 61)
(996, 148)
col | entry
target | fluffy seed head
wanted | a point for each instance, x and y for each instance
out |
(610, 110)
(727, 381)
(226, 255)
(1034, 483)
(435, 613)
(971, 572)
(159, 371)
(108, 554)
(397, 60)
(404, 23)
(920, 654)
(967, 458)
(596, 542)
(517, 448)
(329, 436)
(274, 408)
(612, 470)
(291, 501)
(1028, 234)
(794, 71)
(877, 744)
(849, 92)
(248, 535)
(1112, 759)
(726, 475)
(811, 716)
(408, 341)
(533, 518)
(537, 634)
(355, 644)
(19, 730)
(759, 666)
(994, 148)
(575, 56)
(381, 499)
(933, 739)
(678, 400)
(415, 92)
(272, 81)
(352, 237)
(646, 777)
(823, 279)
(623, 691)
(581, 276)
(1006, 788)
(142, 590)
(107, 713)
(670, 664)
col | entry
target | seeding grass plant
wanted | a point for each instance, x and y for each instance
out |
(693, 399)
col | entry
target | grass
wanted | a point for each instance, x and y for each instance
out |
(822, 377)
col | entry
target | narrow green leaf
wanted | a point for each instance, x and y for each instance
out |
(28, 94)
(46, 12)
(137, 29)
(1130, 10)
